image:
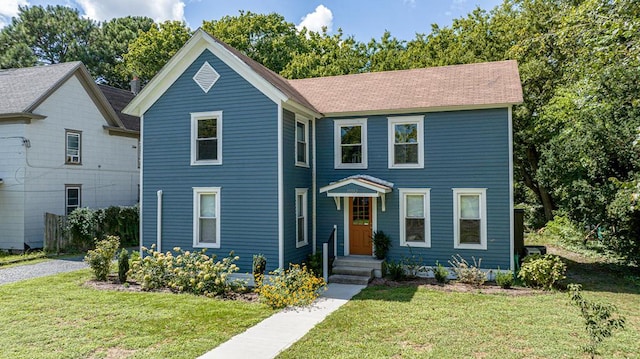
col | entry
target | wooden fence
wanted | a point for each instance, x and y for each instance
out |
(56, 238)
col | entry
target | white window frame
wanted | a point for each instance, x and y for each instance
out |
(482, 193)
(337, 145)
(66, 197)
(405, 120)
(426, 193)
(69, 159)
(305, 122)
(195, 117)
(197, 191)
(304, 193)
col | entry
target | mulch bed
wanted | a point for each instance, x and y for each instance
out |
(453, 286)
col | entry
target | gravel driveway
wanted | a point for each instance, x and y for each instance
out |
(42, 269)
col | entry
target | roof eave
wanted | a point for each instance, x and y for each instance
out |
(20, 116)
(400, 111)
(117, 131)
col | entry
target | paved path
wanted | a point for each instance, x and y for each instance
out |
(50, 267)
(278, 332)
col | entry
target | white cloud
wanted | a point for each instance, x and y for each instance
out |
(9, 9)
(411, 3)
(158, 10)
(316, 20)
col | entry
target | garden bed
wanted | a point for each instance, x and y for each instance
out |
(453, 286)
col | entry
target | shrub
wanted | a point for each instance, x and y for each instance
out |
(504, 279)
(258, 267)
(81, 225)
(600, 319)
(395, 271)
(542, 271)
(314, 263)
(100, 258)
(151, 270)
(123, 265)
(467, 273)
(440, 273)
(84, 224)
(296, 286)
(381, 244)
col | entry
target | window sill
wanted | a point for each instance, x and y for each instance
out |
(302, 164)
(302, 244)
(359, 166)
(481, 246)
(206, 163)
(415, 244)
(406, 166)
(206, 245)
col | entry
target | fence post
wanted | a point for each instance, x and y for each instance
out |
(325, 262)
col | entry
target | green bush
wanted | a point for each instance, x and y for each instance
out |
(467, 273)
(123, 265)
(542, 271)
(504, 279)
(151, 270)
(84, 224)
(381, 244)
(258, 267)
(440, 273)
(395, 271)
(100, 258)
(314, 263)
(296, 286)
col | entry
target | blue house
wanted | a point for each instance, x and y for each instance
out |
(235, 157)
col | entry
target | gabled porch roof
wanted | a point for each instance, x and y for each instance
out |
(358, 186)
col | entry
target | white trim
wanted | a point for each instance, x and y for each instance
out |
(511, 211)
(404, 111)
(392, 121)
(176, 66)
(482, 193)
(374, 221)
(197, 191)
(358, 182)
(141, 191)
(305, 122)
(280, 187)
(159, 221)
(314, 186)
(66, 198)
(347, 210)
(195, 117)
(346, 226)
(337, 144)
(305, 213)
(426, 193)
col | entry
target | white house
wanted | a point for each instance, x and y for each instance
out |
(63, 144)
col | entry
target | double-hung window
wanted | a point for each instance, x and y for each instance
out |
(350, 143)
(301, 217)
(73, 143)
(406, 142)
(206, 217)
(415, 226)
(302, 142)
(470, 218)
(206, 138)
(72, 197)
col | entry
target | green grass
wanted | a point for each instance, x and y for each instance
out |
(7, 259)
(58, 317)
(413, 322)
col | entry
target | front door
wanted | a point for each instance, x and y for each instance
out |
(360, 225)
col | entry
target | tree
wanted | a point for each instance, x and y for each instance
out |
(387, 54)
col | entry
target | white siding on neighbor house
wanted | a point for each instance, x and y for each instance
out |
(108, 174)
(12, 172)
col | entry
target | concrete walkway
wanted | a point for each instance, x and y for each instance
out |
(50, 267)
(278, 332)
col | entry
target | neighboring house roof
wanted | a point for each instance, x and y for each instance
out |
(119, 99)
(446, 87)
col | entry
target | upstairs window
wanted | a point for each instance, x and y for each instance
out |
(302, 142)
(72, 198)
(206, 217)
(350, 143)
(206, 138)
(470, 218)
(73, 147)
(406, 142)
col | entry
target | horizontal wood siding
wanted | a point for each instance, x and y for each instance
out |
(463, 149)
(295, 177)
(247, 177)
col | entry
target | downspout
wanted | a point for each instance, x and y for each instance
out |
(280, 190)
(159, 222)
(313, 186)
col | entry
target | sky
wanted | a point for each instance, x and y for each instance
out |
(364, 19)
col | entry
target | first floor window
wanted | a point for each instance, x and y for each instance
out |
(350, 143)
(301, 217)
(415, 217)
(470, 222)
(72, 147)
(206, 217)
(206, 138)
(406, 142)
(72, 198)
(302, 140)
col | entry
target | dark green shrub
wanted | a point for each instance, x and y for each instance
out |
(314, 263)
(259, 265)
(395, 271)
(100, 258)
(123, 265)
(600, 319)
(504, 279)
(381, 244)
(542, 271)
(440, 273)
(467, 273)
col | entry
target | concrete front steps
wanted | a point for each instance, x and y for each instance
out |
(355, 270)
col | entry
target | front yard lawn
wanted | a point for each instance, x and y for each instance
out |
(58, 317)
(415, 322)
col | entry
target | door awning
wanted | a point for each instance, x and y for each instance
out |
(358, 186)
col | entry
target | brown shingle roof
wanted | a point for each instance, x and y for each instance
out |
(119, 99)
(458, 86)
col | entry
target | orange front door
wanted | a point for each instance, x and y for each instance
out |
(360, 225)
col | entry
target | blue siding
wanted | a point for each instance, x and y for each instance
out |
(248, 176)
(463, 149)
(295, 177)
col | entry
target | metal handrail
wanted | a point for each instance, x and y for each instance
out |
(333, 242)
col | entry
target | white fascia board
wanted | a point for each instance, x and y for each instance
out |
(404, 111)
(300, 109)
(183, 59)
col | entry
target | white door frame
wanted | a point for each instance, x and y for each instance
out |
(374, 221)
